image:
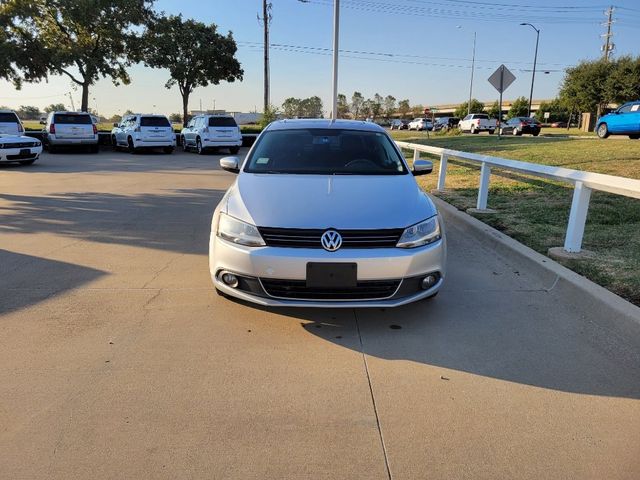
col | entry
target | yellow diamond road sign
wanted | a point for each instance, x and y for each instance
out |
(501, 78)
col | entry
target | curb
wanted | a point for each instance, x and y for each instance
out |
(597, 298)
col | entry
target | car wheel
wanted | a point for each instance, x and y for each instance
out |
(535, 134)
(234, 150)
(114, 142)
(635, 136)
(491, 132)
(473, 131)
(183, 144)
(132, 148)
(603, 130)
(27, 162)
(199, 147)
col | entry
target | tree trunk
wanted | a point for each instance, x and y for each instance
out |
(85, 97)
(185, 108)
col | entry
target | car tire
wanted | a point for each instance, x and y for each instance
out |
(491, 132)
(635, 136)
(234, 150)
(27, 162)
(131, 146)
(535, 134)
(168, 150)
(114, 142)
(473, 131)
(603, 130)
(199, 147)
(183, 144)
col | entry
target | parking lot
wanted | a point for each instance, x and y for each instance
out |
(118, 359)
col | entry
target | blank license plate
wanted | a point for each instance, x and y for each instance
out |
(332, 275)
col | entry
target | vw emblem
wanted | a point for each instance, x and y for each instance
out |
(331, 240)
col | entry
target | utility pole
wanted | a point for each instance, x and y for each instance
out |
(608, 46)
(336, 49)
(266, 21)
(473, 64)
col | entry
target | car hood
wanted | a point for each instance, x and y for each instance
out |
(328, 201)
(16, 139)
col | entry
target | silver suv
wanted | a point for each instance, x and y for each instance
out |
(10, 123)
(69, 129)
(205, 132)
(138, 131)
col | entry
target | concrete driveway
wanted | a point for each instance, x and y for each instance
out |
(118, 360)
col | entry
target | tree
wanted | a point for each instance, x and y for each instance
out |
(557, 111)
(623, 83)
(389, 105)
(494, 111)
(403, 108)
(357, 101)
(269, 115)
(463, 109)
(83, 40)
(195, 54)
(311, 107)
(519, 108)
(175, 118)
(376, 105)
(417, 110)
(343, 106)
(291, 108)
(55, 107)
(28, 112)
(583, 87)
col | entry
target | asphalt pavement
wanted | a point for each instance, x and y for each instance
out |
(119, 361)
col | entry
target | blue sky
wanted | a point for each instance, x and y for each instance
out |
(415, 49)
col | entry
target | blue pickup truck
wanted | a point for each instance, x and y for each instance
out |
(623, 121)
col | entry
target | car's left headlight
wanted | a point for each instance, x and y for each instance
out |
(239, 232)
(420, 234)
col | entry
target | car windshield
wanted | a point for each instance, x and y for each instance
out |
(154, 122)
(72, 119)
(222, 122)
(8, 117)
(325, 152)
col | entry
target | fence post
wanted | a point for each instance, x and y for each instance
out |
(416, 155)
(577, 218)
(442, 174)
(483, 190)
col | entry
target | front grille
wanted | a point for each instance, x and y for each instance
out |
(297, 289)
(19, 145)
(310, 238)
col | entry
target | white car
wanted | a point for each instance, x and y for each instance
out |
(10, 124)
(205, 132)
(420, 124)
(69, 129)
(138, 131)
(326, 213)
(19, 149)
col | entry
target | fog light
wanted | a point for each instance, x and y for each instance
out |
(428, 282)
(230, 280)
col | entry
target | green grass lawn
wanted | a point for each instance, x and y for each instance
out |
(535, 211)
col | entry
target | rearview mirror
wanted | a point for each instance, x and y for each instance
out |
(422, 167)
(230, 164)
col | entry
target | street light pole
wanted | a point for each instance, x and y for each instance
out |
(535, 59)
(473, 64)
(336, 35)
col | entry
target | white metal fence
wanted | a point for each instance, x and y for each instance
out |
(584, 183)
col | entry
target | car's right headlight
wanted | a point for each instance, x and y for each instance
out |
(237, 231)
(423, 233)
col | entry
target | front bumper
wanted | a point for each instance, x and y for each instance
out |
(14, 155)
(266, 264)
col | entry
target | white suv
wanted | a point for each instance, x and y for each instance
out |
(69, 129)
(420, 124)
(10, 124)
(137, 131)
(211, 131)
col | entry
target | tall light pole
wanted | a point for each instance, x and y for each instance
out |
(535, 59)
(473, 65)
(336, 35)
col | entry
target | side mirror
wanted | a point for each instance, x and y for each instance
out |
(230, 164)
(422, 167)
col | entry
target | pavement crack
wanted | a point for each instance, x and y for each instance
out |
(373, 398)
(555, 282)
(159, 272)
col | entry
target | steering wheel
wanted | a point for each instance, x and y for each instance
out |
(362, 163)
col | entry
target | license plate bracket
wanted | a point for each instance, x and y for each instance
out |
(332, 275)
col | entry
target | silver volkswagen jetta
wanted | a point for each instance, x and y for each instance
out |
(326, 214)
